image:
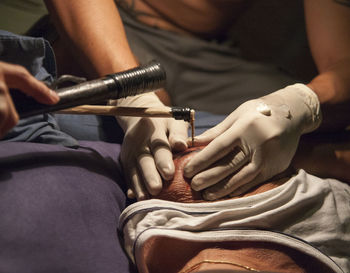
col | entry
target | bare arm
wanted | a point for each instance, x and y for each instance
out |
(95, 34)
(328, 28)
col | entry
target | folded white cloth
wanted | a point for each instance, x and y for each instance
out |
(306, 212)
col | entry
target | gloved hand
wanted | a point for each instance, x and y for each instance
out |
(254, 143)
(146, 153)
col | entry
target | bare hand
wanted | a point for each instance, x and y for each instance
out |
(15, 76)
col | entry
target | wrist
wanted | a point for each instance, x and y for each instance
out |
(311, 101)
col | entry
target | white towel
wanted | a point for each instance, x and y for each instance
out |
(306, 207)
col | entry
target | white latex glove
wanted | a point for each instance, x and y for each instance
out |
(254, 143)
(146, 153)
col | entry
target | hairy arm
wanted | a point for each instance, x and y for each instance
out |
(328, 28)
(95, 34)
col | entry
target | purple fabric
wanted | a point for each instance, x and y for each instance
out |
(59, 208)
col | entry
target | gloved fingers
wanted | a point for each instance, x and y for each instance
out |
(130, 194)
(151, 177)
(246, 187)
(161, 151)
(178, 135)
(164, 161)
(215, 150)
(243, 176)
(136, 185)
(223, 168)
(210, 134)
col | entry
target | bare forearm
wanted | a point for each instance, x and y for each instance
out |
(328, 27)
(94, 33)
(333, 89)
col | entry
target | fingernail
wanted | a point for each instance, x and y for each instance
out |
(54, 96)
(130, 194)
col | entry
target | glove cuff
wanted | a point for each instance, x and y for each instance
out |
(311, 101)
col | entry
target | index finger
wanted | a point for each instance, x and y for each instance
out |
(18, 77)
(217, 149)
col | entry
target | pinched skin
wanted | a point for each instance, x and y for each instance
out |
(179, 188)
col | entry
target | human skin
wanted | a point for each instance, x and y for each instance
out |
(16, 76)
(162, 255)
(205, 19)
(243, 256)
(318, 156)
(93, 32)
(328, 38)
(325, 155)
(179, 190)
